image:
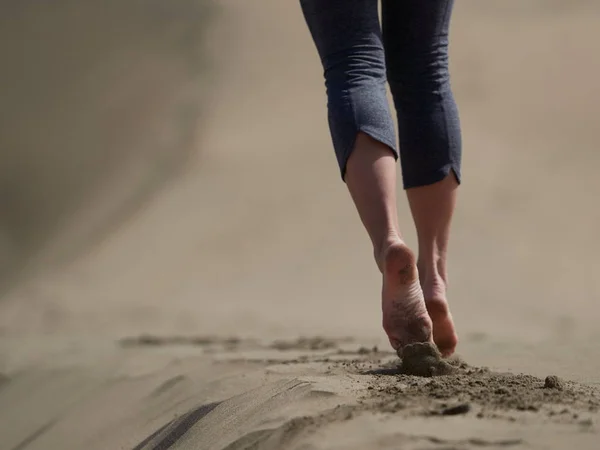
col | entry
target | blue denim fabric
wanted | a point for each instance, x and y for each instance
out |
(410, 51)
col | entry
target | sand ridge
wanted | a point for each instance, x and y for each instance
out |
(200, 392)
(386, 390)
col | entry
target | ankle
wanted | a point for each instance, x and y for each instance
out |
(432, 273)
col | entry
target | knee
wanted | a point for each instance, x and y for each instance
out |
(350, 69)
(420, 75)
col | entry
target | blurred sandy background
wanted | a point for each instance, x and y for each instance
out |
(166, 169)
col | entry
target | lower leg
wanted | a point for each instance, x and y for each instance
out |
(432, 208)
(430, 139)
(347, 35)
(371, 180)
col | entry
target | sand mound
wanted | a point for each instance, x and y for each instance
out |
(424, 360)
(488, 393)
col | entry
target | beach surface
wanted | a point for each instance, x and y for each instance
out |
(198, 278)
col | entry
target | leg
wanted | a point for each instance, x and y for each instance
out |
(415, 34)
(432, 207)
(371, 180)
(348, 38)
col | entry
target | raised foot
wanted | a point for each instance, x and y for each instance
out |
(405, 317)
(434, 292)
(444, 333)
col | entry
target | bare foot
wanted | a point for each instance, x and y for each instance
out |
(405, 317)
(444, 334)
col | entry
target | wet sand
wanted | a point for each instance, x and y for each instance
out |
(230, 301)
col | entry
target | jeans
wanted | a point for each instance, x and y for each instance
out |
(409, 51)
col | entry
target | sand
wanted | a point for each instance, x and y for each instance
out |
(181, 267)
(424, 360)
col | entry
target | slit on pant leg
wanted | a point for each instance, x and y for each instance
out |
(347, 35)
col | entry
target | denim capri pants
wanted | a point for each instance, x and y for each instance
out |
(408, 50)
